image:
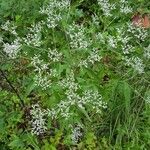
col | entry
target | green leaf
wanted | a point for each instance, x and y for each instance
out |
(85, 113)
(16, 143)
(31, 140)
(29, 88)
(127, 95)
(90, 140)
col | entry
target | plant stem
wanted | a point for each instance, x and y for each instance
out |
(13, 88)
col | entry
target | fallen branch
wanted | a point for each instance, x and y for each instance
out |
(13, 88)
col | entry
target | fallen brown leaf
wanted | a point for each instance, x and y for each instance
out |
(142, 21)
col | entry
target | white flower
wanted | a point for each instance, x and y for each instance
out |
(91, 59)
(106, 7)
(125, 39)
(54, 11)
(42, 81)
(127, 49)
(83, 63)
(8, 26)
(12, 49)
(76, 134)
(37, 122)
(86, 98)
(51, 113)
(54, 55)
(112, 41)
(39, 64)
(94, 57)
(135, 62)
(124, 8)
(42, 72)
(34, 35)
(138, 32)
(94, 99)
(69, 82)
(78, 37)
(63, 109)
(100, 37)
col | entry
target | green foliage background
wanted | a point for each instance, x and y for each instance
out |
(125, 123)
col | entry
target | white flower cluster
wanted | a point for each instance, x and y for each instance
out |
(124, 8)
(69, 82)
(147, 52)
(120, 39)
(125, 41)
(94, 56)
(106, 7)
(78, 37)
(38, 120)
(52, 113)
(63, 109)
(76, 134)
(43, 72)
(34, 35)
(54, 11)
(8, 26)
(12, 49)
(54, 55)
(100, 38)
(94, 99)
(91, 98)
(125, 37)
(42, 81)
(112, 41)
(135, 62)
(71, 88)
(137, 31)
(91, 59)
(127, 48)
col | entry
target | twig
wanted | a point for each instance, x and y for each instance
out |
(13, 88)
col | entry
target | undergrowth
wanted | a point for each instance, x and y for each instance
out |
(74, 75)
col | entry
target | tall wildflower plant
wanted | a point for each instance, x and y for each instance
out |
(71, 59)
